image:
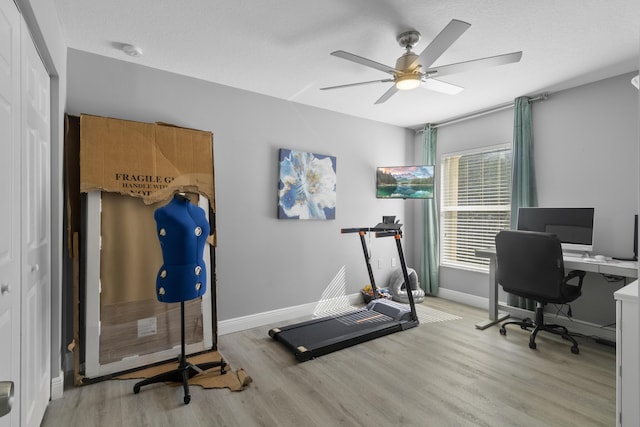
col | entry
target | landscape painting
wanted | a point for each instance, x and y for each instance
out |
(307, 185)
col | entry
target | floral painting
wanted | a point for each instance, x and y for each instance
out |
(307, 186)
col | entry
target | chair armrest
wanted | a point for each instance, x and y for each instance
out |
(575, 274)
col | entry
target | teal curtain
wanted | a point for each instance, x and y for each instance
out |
(429, 263)
(523, 182)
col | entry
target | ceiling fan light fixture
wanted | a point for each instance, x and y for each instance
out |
(408, 81)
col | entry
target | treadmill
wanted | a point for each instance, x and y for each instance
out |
(380, 317)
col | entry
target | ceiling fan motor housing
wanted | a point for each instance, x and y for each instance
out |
(403, 63)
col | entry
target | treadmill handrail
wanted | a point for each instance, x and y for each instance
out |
(385, 232)
(407, 283)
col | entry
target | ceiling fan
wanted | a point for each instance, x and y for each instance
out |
(413, 70)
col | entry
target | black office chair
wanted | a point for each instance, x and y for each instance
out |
(530, 265)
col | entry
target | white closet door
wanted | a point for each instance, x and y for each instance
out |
(10, 208)
(36, 236)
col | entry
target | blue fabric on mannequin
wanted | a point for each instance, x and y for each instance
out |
(183, 230)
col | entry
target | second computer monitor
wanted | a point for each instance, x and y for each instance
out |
(573, 226)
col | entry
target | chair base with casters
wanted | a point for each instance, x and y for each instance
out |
(539, 326)
(184, 371)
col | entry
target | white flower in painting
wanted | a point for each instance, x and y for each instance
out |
(308, 185)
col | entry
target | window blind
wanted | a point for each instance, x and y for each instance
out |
(475, 204)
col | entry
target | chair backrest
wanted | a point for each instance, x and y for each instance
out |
(530, 264)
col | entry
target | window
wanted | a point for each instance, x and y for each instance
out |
(475, 204)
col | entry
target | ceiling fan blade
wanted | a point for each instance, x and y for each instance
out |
(364, 61)
(443, 40)
(474, 64)
(442, 87)
(388, 94)
(356, 84)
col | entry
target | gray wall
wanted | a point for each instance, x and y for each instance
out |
(586, 155)
(263, 263)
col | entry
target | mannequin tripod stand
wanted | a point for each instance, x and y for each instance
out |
(185, 370)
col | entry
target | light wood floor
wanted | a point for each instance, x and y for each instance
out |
(438, 374)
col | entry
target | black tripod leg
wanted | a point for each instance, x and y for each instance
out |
(184, 366)
(200, 367)
(182, 373)
(170, 376)
(185, 383)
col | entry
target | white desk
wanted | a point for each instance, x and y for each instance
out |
(627, 411)
(612, 267)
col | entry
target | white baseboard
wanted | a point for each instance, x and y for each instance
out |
(271, 317)
(574, 325)
(582, 327)
(265, 318)
(57, 386)
(462, 298)
(286, 314)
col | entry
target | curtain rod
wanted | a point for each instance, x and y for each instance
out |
(480, 113)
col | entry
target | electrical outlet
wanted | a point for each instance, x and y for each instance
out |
(393, 262)
(379, 264)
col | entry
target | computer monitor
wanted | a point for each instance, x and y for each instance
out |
(573, 226)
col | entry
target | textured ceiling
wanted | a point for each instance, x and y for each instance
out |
(281, 48)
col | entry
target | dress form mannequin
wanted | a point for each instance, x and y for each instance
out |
(182, 230)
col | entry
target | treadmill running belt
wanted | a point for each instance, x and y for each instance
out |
(362, 316)
(321, 336)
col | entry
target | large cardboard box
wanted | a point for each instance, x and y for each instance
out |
(137, 167)
(147, 160)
